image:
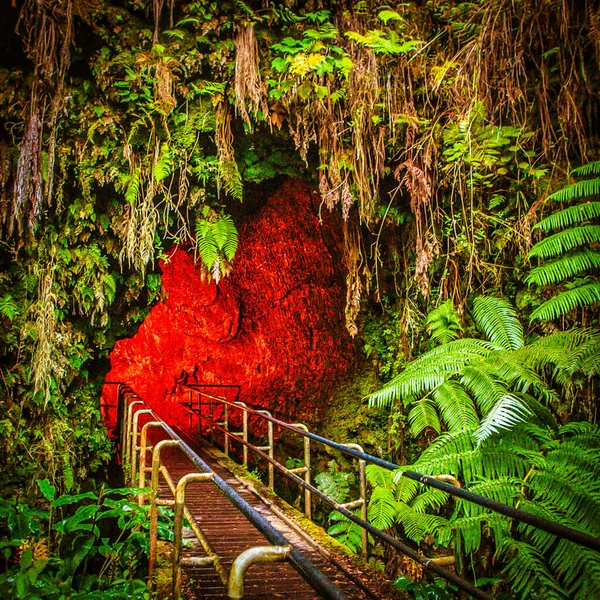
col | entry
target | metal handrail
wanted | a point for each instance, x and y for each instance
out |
(282, 548)
(242, 438)
(557, 529)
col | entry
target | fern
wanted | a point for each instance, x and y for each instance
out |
(8, 307)
(443, 323)
(232, 180)
(423, 415)
(567, 248)
(505, 414)
(164, 165)
(430, 370)
(592, 168)
(134, 183)
(564, 267)
(346, 531)
(565, 302)
(497, 318)
(334, 483)
(382, 508)
(570, 216)
(456, 406)
(217, 243)
(566, 240)
(581, 189)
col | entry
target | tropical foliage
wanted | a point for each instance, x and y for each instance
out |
(570, 257)
(491, 405)
(545, 472)
(69, 550)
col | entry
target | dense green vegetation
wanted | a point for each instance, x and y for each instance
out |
(437, 129)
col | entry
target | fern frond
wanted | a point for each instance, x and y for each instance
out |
(580, 189)
(497, 318)
(569, 216)
(8, 307)
(577, 497)
(527, 570)
(423, 415)
(470, 529)
(414, 524)
(430, 370)
(503, 489)
(207, 245)
(485, 387)
(133, 187)
(232, 180)
(509, 411)
(382, 508)
(566, 240)
(164, 165)
(456, 406)
(577, 428)
(379, 477)
(443, 323)
(514, 372)
(592, 168)
(565, 302)
(564, 267)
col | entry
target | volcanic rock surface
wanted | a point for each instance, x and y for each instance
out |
(275, 326)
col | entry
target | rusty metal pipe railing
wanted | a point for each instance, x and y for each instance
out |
(252, 556)
(557, 529)
(305, 470)
(302, 565)
(178, 528)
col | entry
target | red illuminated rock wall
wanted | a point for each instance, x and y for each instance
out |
(275, 326)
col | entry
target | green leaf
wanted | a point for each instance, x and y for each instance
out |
(48, 490)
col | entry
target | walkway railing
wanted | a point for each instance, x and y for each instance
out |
(134, 437)
(199, 399)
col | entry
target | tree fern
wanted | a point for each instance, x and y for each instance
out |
(456, 406)
(566, 254)
(422, 415)
(592, 168)
(430, 370)
(382, 508)
(581, 189)
(505, 414)
(528, 572)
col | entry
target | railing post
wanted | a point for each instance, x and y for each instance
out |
(212, 420)
(226, 426)
(154, 502)
(143, 451)
(270, 448)
(126, 442)
(178, 526)
(134, 445)
(307, 493)
(199, 412)
(363, 495)
(243, 407)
